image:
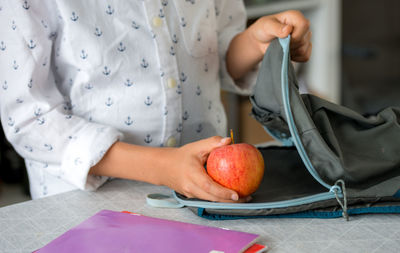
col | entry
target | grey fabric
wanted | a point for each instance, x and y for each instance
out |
(341, 143)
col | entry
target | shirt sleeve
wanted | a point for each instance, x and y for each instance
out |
(37, 119)
(231, 20)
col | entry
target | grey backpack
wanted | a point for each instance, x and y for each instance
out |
(332, 161)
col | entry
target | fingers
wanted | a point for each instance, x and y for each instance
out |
(301, 51)
(268, 28)
(215, 191)
(199, 193)
(198, 184)
(212, 191)
(300, 44)
(280, 25)
(213, 194)
(300, 24)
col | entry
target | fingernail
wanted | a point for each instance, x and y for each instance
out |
(235, 197)
(225, 140)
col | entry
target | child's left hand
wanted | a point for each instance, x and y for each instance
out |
(247, 49)
(267, 28)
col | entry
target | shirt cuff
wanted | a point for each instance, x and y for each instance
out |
(86, 149)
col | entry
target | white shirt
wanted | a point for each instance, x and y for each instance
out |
(76, 76)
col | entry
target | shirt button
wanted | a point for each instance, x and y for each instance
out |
(157, 22)
(171, 142)
(171, 82)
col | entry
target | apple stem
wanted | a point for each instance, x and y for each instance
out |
(232, 141)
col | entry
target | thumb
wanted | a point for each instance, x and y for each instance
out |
(215, 142)
(285, 30)
(205, 146)
(269, 28)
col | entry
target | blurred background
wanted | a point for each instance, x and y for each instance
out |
(355, 62)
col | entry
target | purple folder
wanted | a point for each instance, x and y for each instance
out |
(110, 231)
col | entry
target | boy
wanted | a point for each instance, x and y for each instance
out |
(128, 89)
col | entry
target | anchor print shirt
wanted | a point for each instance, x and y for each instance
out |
(76, 76)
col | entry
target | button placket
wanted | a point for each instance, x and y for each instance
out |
(168, 65)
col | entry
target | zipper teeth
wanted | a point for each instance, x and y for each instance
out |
(292, 127)
(277, 204)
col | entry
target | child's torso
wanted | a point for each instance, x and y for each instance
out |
(148, 68)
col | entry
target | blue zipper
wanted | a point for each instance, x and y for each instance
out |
(286, 105)
(277, 204)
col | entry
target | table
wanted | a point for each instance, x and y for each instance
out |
(32, 224)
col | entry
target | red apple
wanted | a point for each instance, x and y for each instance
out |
(239, 167)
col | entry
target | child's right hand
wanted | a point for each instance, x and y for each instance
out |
(181, 169)
(185, 173)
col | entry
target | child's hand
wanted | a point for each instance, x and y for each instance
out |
(247, 48)
(181, 169)
(267, 28)
(185, 171)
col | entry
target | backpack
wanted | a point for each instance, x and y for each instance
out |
(329, 161)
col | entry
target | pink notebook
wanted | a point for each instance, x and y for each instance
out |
(110, 231)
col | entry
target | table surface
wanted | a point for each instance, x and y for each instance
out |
(30, 225)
